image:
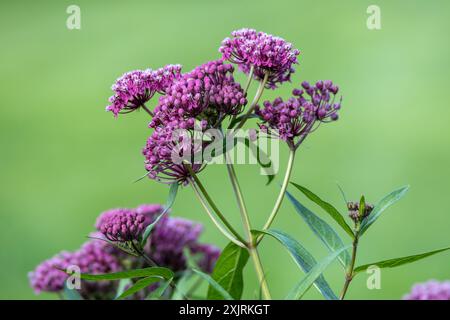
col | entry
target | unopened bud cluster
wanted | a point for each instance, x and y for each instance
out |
(353, 211)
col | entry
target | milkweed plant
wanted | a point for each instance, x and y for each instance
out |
(197, 120)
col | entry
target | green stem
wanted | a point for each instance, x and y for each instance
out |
(240, 198)
(259, 92)
(260, 272)
(249, 79)
(147, 110)
(253, 251)
(284, 186)
(237, 239)
(349, 274)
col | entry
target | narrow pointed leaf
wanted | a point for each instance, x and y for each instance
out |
(129, 274)
(181, 289)
(170, 201)
(384, 203)
(123, 284)
(302, 287)
(362, 207)
(332, 211)
(304, 260)
(159, 292)
(228, 272)
(396, 262)
(139, 285)
(224, 293)
(344, 197)
(322, 230)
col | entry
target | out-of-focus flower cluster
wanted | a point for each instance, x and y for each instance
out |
(167, 245)
(431, 290)
(93, 257)
(264, 52)
(294, 119)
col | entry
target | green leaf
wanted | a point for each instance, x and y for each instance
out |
(228, 272)
(362, 206)
(123, 283)
(71, 294)
(139, 285)
(332, 211)
(344, 197)
(322, 229)
(181, 289)
(159, 292)
(304, 260)
(136, 273)
(382, 205)
(392, 263)
(302, 287)
(170, 201)
(217, 287)
(262, 158)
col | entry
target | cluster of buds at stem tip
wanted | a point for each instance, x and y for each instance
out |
(356, 214)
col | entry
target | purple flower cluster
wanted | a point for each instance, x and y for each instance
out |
(264, 52)
(208, 255)
(170, 239)
(206, 94)
(122, 225)
(295, 118)
(167, 244)
(199, 99)
(93, 257)
(135, 88)
(165, 151)
(431, 290)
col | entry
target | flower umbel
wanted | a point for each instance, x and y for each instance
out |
(135, 88)
(165, 151)
(264, 52)
(206, 94)
(122, 225)
(294, 119)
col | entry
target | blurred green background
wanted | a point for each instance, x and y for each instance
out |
(64, 160)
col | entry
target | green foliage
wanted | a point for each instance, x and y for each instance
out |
(302, 287)
(228, 272)
(382, 205)
(217, 287)
(303, 259)
(332, 211)
(396, 262)
(321, 229)
(139, 285)
(170, 201)
(129, 274)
